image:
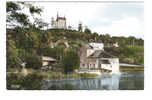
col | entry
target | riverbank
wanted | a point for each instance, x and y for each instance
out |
(131, 68)
(54, 75)
(35, 78)
(51, 75)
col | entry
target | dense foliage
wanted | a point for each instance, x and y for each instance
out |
(132, 54)
(30, 82)
(70, 61)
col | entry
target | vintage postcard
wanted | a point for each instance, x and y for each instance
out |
(89, 45)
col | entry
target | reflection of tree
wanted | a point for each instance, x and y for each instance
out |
(131, 83)
(62, 87)
(105, 82)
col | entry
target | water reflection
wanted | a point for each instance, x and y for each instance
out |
(125, 81)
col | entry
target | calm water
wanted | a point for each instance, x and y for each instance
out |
(124, 81)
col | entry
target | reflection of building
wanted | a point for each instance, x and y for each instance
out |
(93, 56)
(111, 82)
(59, 23)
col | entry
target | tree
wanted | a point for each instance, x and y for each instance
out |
(87, 30)
(70, 61)
(13, 60)
(16, 16)
(95, 36)
(33, 61)
(80, 27)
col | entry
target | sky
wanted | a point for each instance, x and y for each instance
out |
(116, 19)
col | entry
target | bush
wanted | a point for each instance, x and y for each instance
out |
(33, 61)
(30, 82)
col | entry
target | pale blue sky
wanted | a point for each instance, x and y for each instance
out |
(117, 19)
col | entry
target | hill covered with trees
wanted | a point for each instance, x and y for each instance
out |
(26, 41)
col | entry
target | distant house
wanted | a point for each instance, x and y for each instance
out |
(94, 46)
(115, 44)
(97, 46)
(47, 61)
(63, 41)
(97, 58)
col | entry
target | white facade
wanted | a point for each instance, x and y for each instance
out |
(106, 66)
(89, 52)
(116, 44)
(45, 63)
(97, 46)
(59, 23)
(113, 66)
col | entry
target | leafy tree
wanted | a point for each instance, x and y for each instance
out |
(16, 16)
(12, 55)
(70, 61)
(87, 30)
(80, 27)
(33, 61)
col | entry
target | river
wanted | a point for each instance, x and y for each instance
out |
(123, 81)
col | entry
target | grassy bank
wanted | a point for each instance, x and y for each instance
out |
(87, 75)
(130, 68)
(34, 79)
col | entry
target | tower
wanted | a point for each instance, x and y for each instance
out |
(80, 27)
(59, 23)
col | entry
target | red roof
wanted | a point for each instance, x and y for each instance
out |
(60, 18)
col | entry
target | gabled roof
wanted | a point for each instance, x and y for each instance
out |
(101, 54)
(60, 18)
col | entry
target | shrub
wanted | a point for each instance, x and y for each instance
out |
(33, 61)
(30, 82)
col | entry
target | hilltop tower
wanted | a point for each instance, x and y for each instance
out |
(80, 27)
(59, 23)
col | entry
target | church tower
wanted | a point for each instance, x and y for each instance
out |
(59, 23)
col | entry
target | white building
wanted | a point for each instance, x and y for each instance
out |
(46, 61)
(104, 61)
(97, 46)
(94, 46)
(115, 44)
(59, 23)
(93, 56)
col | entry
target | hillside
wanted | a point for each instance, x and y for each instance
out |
(23, 44)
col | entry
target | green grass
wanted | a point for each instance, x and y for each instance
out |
(129, 68)
(88, 75)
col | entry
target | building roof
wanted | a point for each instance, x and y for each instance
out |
(105, 61)
(45, 58)
(101, 54)
(60, 18)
